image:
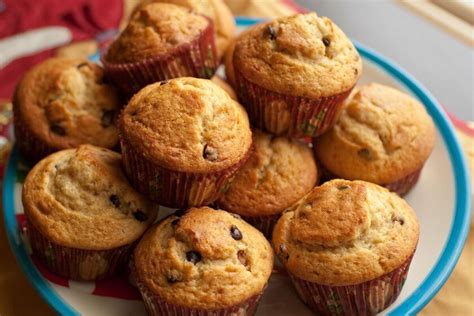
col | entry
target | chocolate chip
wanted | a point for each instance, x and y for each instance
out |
(140, 216)
(235, 233)
(365, 153)
(107, 118)
(82, 65)
(164, 82)
(356, 71)
(193, 256)
(326, 41)
(343, 187)
(209, 153)
(172, 278)
(175, 221)
(242, 256)
(400, 219)
(56, 166)
(115, 200)
(57, 129)
(236, 216)
(271, 32)
(180, 212)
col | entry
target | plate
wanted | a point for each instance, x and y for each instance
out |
(441, 199)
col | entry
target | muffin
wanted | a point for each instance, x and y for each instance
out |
(382, 136)
(202, 262)
(293, 74)
(216, 10)
(83, 218)
(278, 173)
(347, 247)
(225, 86)
(183, 140)
(161, 41)
(62, 103)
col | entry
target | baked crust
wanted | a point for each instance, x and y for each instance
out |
(187, 125)
(382, 135)
(222, 270)
(80, 198)
(345, 233)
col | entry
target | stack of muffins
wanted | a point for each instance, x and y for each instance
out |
(186, 144)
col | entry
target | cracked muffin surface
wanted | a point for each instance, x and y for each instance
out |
(382, 135)
(300, 55)
(278, 173)
(155, 29)
(204, 259)
(187, 125)
(346, 232)
(80, 198)
(65, 102)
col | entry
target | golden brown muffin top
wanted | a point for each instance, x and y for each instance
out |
(65, 103)
(346, 232)
(80, 198)
(279, 172)
(188, 125)
(217, 10)
(381, 136)
(153, 30)
(300, 55)
(204, 259)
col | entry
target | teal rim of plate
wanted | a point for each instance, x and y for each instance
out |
(412, 304)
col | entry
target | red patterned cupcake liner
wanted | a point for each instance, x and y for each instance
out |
(401, 186)
(155, 305)
(405, 184)
(367, 298)
(31, 147)
(288, 115)
(264, 224)
(195, 59)
(174, 188)
(77, 264)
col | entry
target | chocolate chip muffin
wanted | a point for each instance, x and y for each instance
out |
(293, 74)
(83, 218)
(183, 140)
(347, 247)
(383, 136)
(202, 262)
(216, 10)
(62, 103)
(279, 173)
(161, 41)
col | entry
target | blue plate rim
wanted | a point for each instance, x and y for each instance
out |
(411, 305)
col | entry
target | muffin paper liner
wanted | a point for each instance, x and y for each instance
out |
(197, 58)
(405, 184)
(263, 223)
(401, 186)
(292, 116)
(367, 298)
(77, 264)
(31, 147)
(174, 188)
(155, 305)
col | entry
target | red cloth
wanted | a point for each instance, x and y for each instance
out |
(84, 18)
